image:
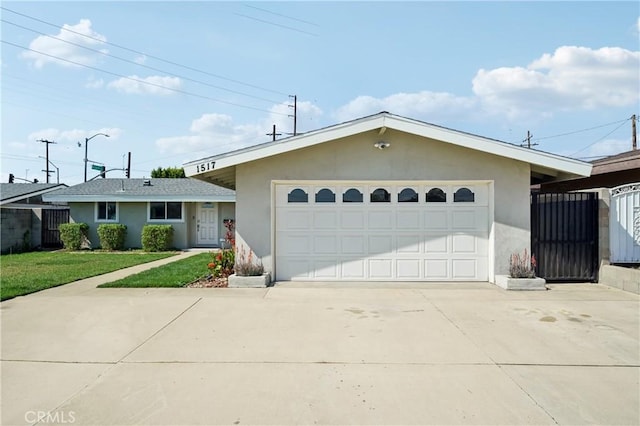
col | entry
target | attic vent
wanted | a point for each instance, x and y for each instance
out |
(146, 182)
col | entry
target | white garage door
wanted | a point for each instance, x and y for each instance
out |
(409, 231)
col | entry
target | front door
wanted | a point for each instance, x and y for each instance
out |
(207, 224)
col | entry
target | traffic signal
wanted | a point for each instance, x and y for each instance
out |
(11, 177)
(35, 181)
(103, 173)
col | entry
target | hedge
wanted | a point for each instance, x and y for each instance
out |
(73, 235)
(112, 236)
(157, 237)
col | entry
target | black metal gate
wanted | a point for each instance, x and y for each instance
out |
(564, 235)
(51, 219)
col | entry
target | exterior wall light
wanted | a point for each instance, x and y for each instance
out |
(382, 145)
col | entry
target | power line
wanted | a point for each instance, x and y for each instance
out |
(138, 64)
(171, 89)
(593, 143)
(281, 15)
(145, 54)
(581, 130)
(276, 25)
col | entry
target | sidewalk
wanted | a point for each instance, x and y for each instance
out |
(88, 284)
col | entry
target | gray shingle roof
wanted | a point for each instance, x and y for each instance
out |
(11, 192)
(163, 189)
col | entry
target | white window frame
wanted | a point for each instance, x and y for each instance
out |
(95, 211)
(165, 212)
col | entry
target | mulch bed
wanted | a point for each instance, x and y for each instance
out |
(208, 282)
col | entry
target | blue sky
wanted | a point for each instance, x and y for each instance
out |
(172, 82)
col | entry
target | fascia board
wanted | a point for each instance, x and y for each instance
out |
(279, 147)
(126, 199)
(32, 194)
(502, 149)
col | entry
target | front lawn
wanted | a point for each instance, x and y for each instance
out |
(174, 274)
(26, 273)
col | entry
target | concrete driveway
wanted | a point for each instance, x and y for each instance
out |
(359, 354)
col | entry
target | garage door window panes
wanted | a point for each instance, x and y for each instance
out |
(165, 211)
(298, 196)
(436, 195)
(463, 195)
(380, 195)
(408, 195)
(352, 196)
(325, 196)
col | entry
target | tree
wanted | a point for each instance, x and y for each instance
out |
(169, 172)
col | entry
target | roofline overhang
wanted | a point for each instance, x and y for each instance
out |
(146, 199)
(539, 160)
(33, 194)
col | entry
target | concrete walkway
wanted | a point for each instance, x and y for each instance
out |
(292, 354)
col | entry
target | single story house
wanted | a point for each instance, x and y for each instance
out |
(197, 210)
(25, 216)
(384, 198)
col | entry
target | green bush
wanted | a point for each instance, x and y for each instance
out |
(112, 236)
(157, 237)
(73, 235)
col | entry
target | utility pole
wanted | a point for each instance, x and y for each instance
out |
(47, 158)
(527, 141)
(634, 142)
(295, 113)
(273, 133)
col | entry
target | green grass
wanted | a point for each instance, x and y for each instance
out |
(27, 273)
(174, 274)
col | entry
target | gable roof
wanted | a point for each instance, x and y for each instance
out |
(13, 192)
(135, 190)
(544, 166)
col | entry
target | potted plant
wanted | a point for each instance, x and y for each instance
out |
(248, 271)
(522, 274)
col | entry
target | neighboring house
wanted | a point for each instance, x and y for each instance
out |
(25, 217)
(384, 198)
(616, 180)
(196, 210)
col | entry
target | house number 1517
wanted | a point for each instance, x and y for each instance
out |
(205, 166)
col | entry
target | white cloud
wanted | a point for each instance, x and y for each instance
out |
(217, 133)
(153, 85)
(431, 106)
(600, 149)
(572, 78)
(94, 84)
(58, 48)
(140, 59)
(73, 135)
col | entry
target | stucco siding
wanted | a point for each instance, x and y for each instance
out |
(409, 157)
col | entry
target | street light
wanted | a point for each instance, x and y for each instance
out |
(86, 144)
(57, 169)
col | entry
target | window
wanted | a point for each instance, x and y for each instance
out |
(463, 195)
(106, 211)
(325, 196)
(165, 210)
(352, 196)
(436, 195)
(408, 195)
(298, 196)
(380, 195)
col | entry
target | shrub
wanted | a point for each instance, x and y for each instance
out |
(74, 235)
(246, 266)
(522, 266)
(157, 237)
(112, 236)
(221, 266)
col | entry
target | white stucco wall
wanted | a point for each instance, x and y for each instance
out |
(408, 158)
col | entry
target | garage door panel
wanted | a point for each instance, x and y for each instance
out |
(436, 220)
(380, 268)
(410, 244)
(325, 244)
(328, 239)
(380, 220)
(325, 219)
(354, 269)
(436, 269)
(408, 220)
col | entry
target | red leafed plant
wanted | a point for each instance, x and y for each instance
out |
(222, 264)
(522, 266)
